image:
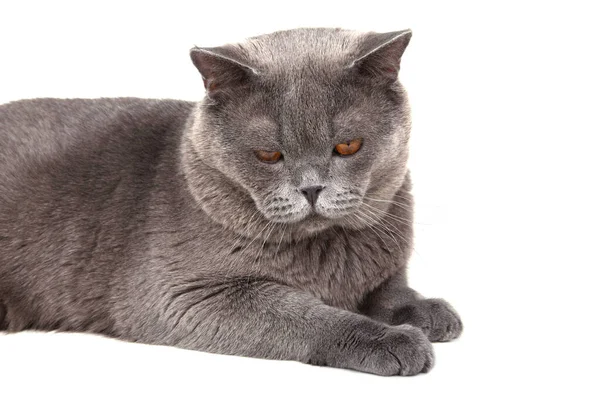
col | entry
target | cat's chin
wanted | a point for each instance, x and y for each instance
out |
(315, 223)
(312, 223)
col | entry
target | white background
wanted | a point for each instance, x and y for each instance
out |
(504, 160)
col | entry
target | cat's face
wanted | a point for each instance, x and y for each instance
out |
(312, 142)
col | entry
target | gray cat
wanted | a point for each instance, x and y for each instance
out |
(273, 219)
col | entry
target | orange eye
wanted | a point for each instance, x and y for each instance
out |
(270, 157)
(348, 148)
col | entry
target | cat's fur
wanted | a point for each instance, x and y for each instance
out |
(154, 221)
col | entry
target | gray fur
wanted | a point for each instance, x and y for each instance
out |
(154, 221)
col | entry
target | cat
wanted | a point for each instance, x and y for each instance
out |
(272, 219)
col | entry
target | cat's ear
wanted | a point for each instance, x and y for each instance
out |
(379, 54)
(222, 70)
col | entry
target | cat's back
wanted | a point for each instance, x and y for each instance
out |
(53, 140)
(48, 128)
(62, 161)
(75, 177)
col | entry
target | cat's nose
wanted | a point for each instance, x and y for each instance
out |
(312, 193)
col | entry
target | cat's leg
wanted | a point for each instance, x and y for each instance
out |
(395, 303)
(259, 318)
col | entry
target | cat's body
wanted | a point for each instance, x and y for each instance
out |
(97, 174)
(124, 217)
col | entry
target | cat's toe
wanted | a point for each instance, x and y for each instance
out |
(435, 317)
(404, 351)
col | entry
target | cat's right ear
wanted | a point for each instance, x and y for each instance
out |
(379, 55)
(222, 70)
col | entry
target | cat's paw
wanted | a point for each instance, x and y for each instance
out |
(382, 350)
(435, 317)
(402, 350)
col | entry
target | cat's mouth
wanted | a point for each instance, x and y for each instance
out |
(311, 220)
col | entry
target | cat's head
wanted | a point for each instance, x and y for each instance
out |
(312, 124)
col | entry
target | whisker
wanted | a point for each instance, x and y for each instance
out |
(396, 203)
(398, 218)
(394, 216)
(390, 232)
(280, 240)
(388, 226)
(373, 226)
(260, 250)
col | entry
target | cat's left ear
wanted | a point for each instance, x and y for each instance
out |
(379, 54)
(222, 70)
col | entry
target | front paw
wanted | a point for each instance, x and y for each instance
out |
(379, 349)
(436, 318)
